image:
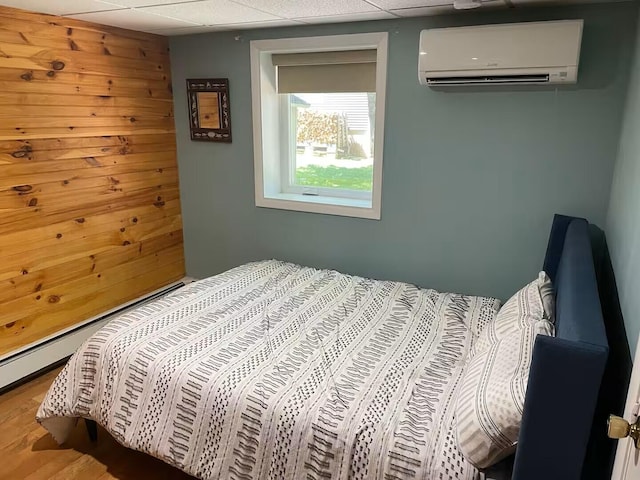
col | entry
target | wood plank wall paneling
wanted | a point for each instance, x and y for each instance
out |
(89, 200)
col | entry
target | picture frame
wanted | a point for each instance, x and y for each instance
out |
(209, 109)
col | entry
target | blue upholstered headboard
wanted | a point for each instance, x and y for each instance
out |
(567, 369)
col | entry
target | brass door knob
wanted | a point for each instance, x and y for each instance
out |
(618, 427)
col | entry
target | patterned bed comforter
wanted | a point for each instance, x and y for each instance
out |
(276, 371)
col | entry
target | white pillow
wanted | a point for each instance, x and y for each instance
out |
(491, 397)
(548, 296)
(532, 303)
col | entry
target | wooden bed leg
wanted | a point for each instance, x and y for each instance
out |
(92, 429)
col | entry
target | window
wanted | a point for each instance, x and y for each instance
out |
(318, 121)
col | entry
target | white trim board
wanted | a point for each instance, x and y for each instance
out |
(15, 367)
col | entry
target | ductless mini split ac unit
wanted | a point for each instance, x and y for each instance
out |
(506, 54)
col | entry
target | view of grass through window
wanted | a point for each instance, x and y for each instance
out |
(335, 177)
(334, 139)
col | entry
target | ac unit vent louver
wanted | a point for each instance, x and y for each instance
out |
(490, 80)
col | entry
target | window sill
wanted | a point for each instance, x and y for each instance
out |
(347, 207)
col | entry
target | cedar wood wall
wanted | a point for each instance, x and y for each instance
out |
(89, 201)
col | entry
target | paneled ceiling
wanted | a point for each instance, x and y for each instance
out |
(180, 17)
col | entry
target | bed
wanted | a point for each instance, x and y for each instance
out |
(273, 370)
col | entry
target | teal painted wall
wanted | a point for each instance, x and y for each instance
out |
(623, 219)
(471, 177)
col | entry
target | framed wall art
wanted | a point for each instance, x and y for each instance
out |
(209, 112)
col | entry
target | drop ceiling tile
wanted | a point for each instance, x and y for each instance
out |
(445, 9)
(424, 11)
(211, 12)
(132, 19)
(141, 3)
(309, 8)
(59, 7)
(190, 30)
(268, 24)
(227, 27)
(397, 4)
(253, 25)
(349, 17)
(497, 4)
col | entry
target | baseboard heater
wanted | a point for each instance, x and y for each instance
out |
(21, 366)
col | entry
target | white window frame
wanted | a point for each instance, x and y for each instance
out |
(272, 147)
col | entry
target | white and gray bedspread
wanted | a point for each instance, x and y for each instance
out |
(276, 371)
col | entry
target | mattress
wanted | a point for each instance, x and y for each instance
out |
(276, 371)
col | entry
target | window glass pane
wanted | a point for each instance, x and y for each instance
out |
(333, 135)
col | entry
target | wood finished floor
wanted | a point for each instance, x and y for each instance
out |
(27, 451)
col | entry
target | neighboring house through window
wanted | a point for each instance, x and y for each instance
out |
(318, 121)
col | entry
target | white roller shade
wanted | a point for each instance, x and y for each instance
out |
(326, 72)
